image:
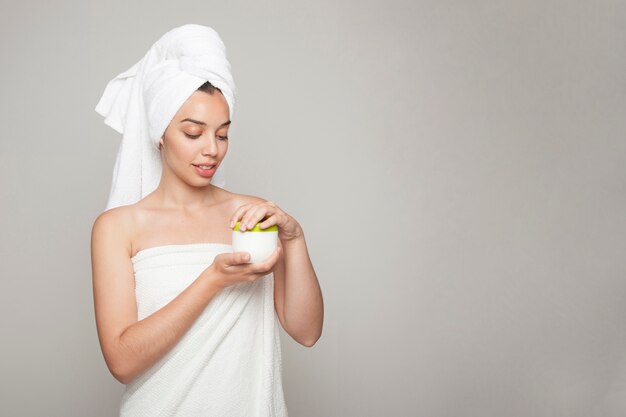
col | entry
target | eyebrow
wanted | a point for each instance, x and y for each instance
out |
(202, 123)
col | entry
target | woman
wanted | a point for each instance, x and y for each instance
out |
(189, 326)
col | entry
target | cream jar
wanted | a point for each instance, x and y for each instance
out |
(259, 243)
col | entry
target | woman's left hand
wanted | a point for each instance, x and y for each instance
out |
(251, 213)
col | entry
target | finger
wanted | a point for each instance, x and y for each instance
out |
(252, 216)
(273, 259)
(239, 258)
(270, 221)
(268, 263)
(238, 213)
(277, 218)
(276, 253)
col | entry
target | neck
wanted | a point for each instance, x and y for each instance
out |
(172, 193)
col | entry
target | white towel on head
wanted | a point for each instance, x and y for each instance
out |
(141, 102)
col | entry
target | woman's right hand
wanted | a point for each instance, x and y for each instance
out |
(232, 268)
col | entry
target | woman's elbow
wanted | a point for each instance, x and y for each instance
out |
(310, 342)
(118, 368)
(119, 373)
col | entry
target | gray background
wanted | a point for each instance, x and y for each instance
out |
(457, 167)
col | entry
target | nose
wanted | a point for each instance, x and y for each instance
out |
(209, 146)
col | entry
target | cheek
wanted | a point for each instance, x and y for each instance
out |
(185, 149)
(178, 153)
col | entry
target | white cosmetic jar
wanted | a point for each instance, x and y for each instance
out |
(259, 243)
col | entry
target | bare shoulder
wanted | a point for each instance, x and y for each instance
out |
(241, 199)
(114, 224)
(118, 218)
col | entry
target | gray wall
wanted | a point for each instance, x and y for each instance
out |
(457, 167)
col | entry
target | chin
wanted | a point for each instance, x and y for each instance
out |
(203, 182)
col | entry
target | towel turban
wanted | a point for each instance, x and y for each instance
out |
(142, 101)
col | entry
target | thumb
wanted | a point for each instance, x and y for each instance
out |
(240, 258)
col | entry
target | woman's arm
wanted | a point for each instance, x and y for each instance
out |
(297, 293)
(130, 346)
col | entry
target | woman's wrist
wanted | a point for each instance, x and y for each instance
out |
(210, 281)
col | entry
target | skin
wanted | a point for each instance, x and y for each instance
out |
(185, 208)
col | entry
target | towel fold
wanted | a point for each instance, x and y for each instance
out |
(228, 363)
(141, 102)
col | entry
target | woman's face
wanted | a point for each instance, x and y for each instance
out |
(197, 135)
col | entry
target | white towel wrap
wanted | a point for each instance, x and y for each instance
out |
(228, 364)
(141, 102)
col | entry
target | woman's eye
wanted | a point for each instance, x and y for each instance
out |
(197, 136)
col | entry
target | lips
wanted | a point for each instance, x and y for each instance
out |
(203, 171)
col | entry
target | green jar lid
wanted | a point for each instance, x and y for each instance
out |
(256, 228)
